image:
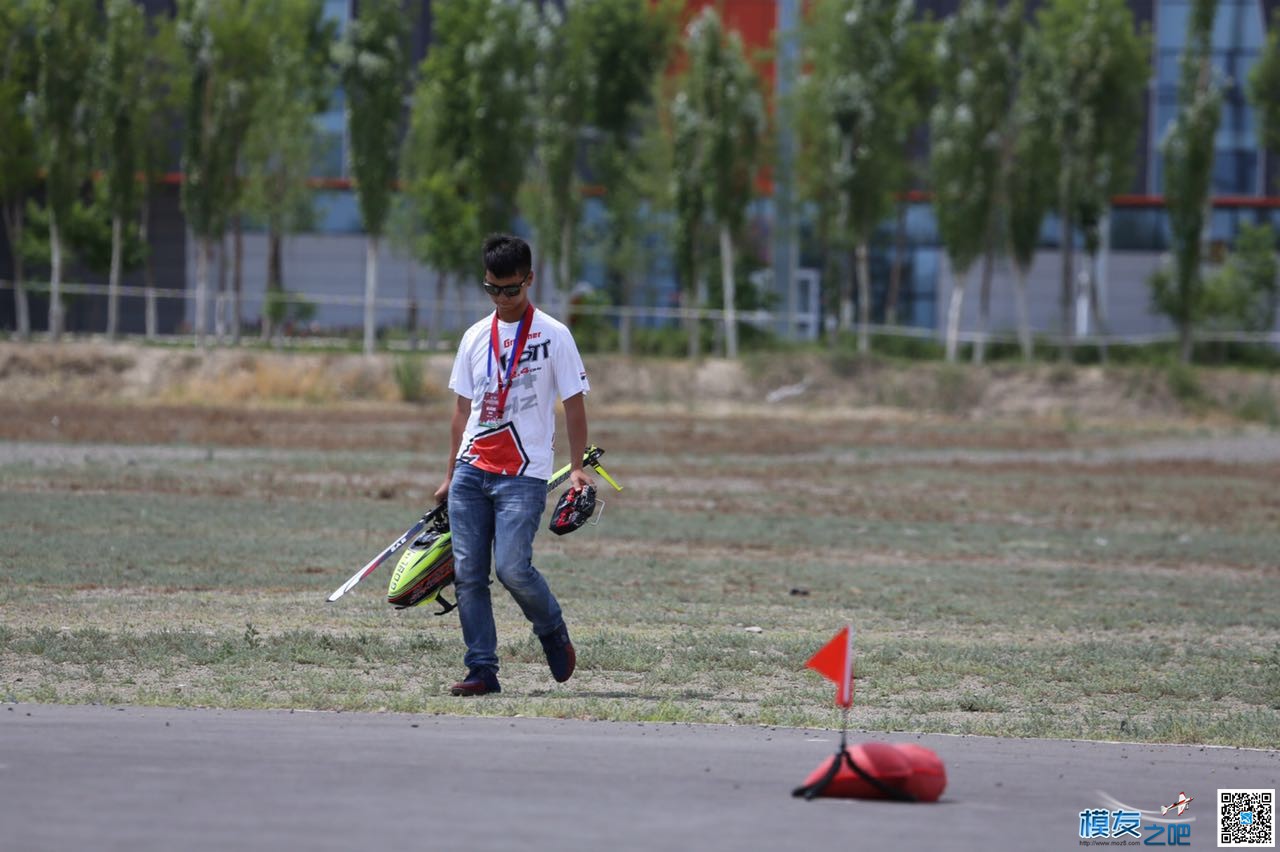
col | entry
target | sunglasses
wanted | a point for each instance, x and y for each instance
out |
(508, 290)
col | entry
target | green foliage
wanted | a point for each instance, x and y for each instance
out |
(1184, 382)
(469, 128)
(977, 54)
(284, 307)
(593, 332)
(18, 76)
(1031, 175)
(1259, 406)
(158, 102)
(121, 65)
(1242, 295)
(627, 45)
(720, 117)
(227, 51)
(719, 126)
(408, 374)
(85, 234)
(68, 33)
(1264, 88)
(281, 144)
(859, 97)
(551, 198)
(1089, 80)
(373, 67)
(1188, 151)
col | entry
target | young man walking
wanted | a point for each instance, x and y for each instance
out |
(510, 368)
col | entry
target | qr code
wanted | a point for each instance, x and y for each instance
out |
(1246, 818)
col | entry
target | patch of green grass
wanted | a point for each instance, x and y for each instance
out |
(1039, 599)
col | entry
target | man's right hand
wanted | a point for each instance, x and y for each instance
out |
(442, 493)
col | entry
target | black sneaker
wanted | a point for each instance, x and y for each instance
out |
(477, 682)
(560, 654)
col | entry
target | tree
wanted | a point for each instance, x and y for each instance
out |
(978, 60)
(281, 143)
(158, 104)
(720, 127)
(468, 132)
(1244, 293)
(1090, 78)
(1264, 89)
(921, 72)
(1188, 150)
(373, 66)
(19, 169)
(67, 35)
(1030, 186)
(121, 65)
(627, 44)
(860, 83)
(552, 196)
(227, 52)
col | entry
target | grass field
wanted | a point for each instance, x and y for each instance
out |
(1028, 578)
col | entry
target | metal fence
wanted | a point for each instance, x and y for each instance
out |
(798, 325)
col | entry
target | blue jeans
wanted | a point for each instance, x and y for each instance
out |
(492, 515)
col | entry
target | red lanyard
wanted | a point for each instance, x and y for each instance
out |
(495, 351)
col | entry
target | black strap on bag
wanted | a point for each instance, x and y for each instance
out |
(811, 791)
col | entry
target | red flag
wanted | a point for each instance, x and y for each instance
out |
(834, 661)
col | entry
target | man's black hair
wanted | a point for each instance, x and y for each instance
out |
(505, 255)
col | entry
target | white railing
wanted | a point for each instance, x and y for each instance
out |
(762, 318)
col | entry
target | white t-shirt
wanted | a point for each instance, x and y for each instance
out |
(521, 443)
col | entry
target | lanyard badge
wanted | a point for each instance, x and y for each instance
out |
(494, 403)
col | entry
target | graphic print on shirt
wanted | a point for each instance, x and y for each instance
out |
(497, 451)
(520, 439)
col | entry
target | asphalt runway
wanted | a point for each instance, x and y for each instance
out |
(143, 778)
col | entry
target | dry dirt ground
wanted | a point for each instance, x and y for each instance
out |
(796, 383)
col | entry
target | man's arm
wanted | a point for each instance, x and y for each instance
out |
(457, 427)
(575, 421)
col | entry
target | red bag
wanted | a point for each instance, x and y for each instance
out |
(902, 771)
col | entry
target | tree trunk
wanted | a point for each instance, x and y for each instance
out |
(1067, 296)
(1095, 309)
(113, 278)
(148, 269)
(237, 280)
(220, 300)
(846, 293)
(984, 306)
(204, 258)
(437, 315)
(21, 307)
(55, 278)
(370, 291)
(625, 320)
(1100, 288)
(1024, 321)
(895, 271)
(1184, 340)
(413, 305)
(692, 323)
(564, 275)
(864, 298)
(958, 281)
(730, 296)
(272, 298)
